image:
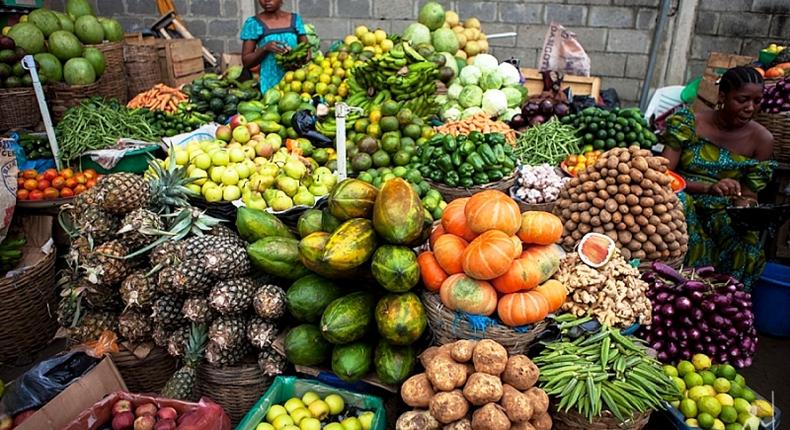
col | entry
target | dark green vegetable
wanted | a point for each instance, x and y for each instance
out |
(549, 142)
(619, 128)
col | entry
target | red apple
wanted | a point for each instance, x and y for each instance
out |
(6, 423)
(165, 425)
(22, 416)
(223, 133)
(237, 120)
(145, 409)
(145, 422)
(123, 421)
(121, 406)
(254, 128)
(167, 413)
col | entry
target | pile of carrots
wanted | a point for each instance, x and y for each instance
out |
(160, 97)
(480, 122)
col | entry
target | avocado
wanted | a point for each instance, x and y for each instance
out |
(7, 56)
(18, 71)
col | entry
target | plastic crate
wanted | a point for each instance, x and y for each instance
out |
(285, 387)
(133, 162)
(679, 421)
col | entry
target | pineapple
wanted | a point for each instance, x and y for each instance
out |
(261, 333)
(232, 296)
(106, 264)
(99, 296)
(181, 385)
(139, 228)
(86, 218)
(165, 254)
(92, 324)
(177, 341)
(137, 290)
(271, 362)
(69, 307)
(167, 311)
(189, 277)
(222, 256)
(217, 356)
(134, 326)
(197, 310)
(160, 335)
(228, 332)
(269, 302)
(221, 230)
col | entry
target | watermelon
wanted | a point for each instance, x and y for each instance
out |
(308, 297)
(400, 318)
(352, 198)
(304, 346)
(348, 318)
(278, 256)
(309, 222)
(395, 268)
(394, 363)
(350, 245)
(398, 214)
(255, 224)
(351, 362)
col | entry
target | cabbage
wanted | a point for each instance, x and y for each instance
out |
(472, 96)
(509, 74)
(441, 99)
(474, 110)
(452, 114)
(485, 62)
(513, 96)
(509, 114)
(470, 75)
(491, 81)
(454, 90)
(494, 102)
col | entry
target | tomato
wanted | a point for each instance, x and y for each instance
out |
(43, 184)
(71, 183)
(30, 184)
(29, 174)
(22, 194)
(90, 173)
(79, 189)
(40, 177)
(67, 172)
(91, 183)
(58, 182)
(51, 193)
(66, 192)
(20, 182)
(80, 177)
(50, 174)
(36, 195)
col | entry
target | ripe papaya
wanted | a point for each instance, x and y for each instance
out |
(398, 214)
(278, 256)
(350, 245)
(352, 198)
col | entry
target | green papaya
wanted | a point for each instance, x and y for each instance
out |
(352, 362)
(348, 318)
(394, 364)
(309, 222)
(255, 224)
(352, 198)
(350, 245)
(311, 253)
(308, 297)
(329, 222)
(304, 346)
(395, 268)
(278, 256)
(398, 213)
(401, 318)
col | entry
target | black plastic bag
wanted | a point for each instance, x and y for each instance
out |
(581, 103)
(46, 380)
(303, 122)
(610, 99)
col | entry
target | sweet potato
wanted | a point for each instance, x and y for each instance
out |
(489, 357)
(482, 388)
(447, 407)
(417, 391)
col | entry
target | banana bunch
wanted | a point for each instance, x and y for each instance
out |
(422, 106)
(328, 126)
(295, 58)
(362, 100)
(10, 253)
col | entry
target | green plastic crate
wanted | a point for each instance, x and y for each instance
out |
(133, 162)
(23, 3)
(285, 387)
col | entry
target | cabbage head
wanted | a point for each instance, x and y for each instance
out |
(454, 90)
(513, 96)
(491, 81)
(485, 62)
(471, 95)
(509, 74)
(470, 75)
(494, 102)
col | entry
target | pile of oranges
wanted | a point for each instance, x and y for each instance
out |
(574, 164)
(51, 184)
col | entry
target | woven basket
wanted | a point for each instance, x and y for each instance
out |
(66, 96)
(235, 388)
(545, 207)
(112, 84)
(142, 67)
(146, 375)
(448, 326)
(18, 108)
(779, 125)
(571, 420)
(452, 193)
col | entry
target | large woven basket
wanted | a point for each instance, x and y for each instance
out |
(66, 96)
(571, 420)
(18, 108)
(235, 388)
(779, 125)
(112, 84)
(142, 67)
(452, 193)
(146, 375)
(29, 300)
(448, 326)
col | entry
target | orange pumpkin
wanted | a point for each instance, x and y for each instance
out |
(554, 292)
(492, 210)
(448, 250)
(774, 72)
(518, 309)
(522, 275)
(488, 256)
(540, 228)
(518, 247)
(462, 293)
(454, 220)
(431, 272)
(546, 258)
(437, 231)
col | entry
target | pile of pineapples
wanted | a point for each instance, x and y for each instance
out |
(148, 266)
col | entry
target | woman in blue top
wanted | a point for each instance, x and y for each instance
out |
(272, 31)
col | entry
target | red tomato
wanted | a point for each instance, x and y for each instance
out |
(29, 174)
(20, 182)
(67, 192)
(91, 183)
(30, 184)
(79, 189)
(58, 182)
(36, 195)
(40, 176)
(67, 172)
(51, 193)
(43, 184)
(50, 174)
(71, 182)
(22, 194)
(80, 177)
(90, 173)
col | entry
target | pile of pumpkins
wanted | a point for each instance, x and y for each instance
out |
(487, 257)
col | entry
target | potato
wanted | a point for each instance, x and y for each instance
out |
(417, 391)
(612, 162)
(522, 426)
(542, 422)
(520, 372)
(431, 352)
(538, 399)
(490, 357)
(416, 420)
(462, 424)
(462, 350)
(516, 404)
(585, 228)
(490, 417)
(447, 407)
(445, 374)
(482, 388)
(640, 164)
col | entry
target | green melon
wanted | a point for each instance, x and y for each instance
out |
(79, 71)
(78, 8)
(352, 198)
(348, 318)
(88, 29)
(64, 45)
(278, 256)
(308, 297)
(431, 15)
(352, 362)
(113, 30)
(395, 268)
(49, 66)
(255, 224)
(45, 20)
(28, 37)
(400, 318)
(66, 23)
(394, 364)
(96, 58)
(309, 222)
(304, 346)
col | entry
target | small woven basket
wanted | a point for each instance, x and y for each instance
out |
(67, 96)
(235, 388)
(779, 125)
(112, 84)
(146, 375)
(18, 108)
(452, 193)
(448, 326)
(572, 420)
(142, 67)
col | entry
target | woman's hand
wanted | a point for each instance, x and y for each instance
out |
(276, 47)
(726, 187)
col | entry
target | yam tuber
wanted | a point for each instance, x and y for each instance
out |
(517, 405)
(490, 417)
(542, 422)
(416, 420)
(445, 374)
(490, 357)
(482, 388)
(462, 350)
(462, 424)
(447, 407)
(417, 391)
(520, 372)
(539, 401)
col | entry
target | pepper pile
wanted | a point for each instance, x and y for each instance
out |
(465, 160)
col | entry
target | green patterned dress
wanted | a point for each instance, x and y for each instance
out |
(712, 240)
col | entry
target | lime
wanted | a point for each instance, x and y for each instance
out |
(748, 395)
(708, 377)
(689, 408)
(685, 367)
(389, 123)
(701, 361)
(709, 405)
(692, 422)
(705, 420)
(728, 414)
(696, 393)
(735, 390)
(670, 370)
(725, 399)
(721, 385)
(680, 384)
(399, 171)
(740, 379)
(693, 380)
(717, 425)
(401, 158)
(733, 426)
(365, 177)
(715, 368)
(742, 405)
(727, 371)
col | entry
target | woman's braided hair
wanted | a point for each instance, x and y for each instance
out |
(736, 77)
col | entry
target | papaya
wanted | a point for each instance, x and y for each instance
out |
(395, 268)
(304, 346)
(311, 253)
(278, 256)
(255, 224)
(398, 214)
(309, 222)
(352, 362)
(352, 198)
(401, 318)
(329, 222)
(394, 363)
(308, 297)
(348, 318)
(350, 245)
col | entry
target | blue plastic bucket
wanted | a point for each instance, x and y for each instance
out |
(771, 300)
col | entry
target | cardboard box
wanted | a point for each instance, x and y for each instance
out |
(180, 60)
(80, 395)
(579, 85)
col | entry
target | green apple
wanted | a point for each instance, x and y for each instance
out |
(282, 420)
(318, 190)
(300, 413)
(288, 185)
(274, 412)
(292, 404)
(233, 144)
(243, 170)
(220, 158)
(200, 176)
(264, 149)
(182, 157)
(290, 427)
(275, 140)
(351, 423)
(241, 135)
(256, 203)
(366, 419)
(282, 202)
(264, 426)
(295, 168)
(310, 424)
(202, 161)
(333, 426)
(249, 152)
(310, 397)
(231, 193)
(230, 177)
(237, 155)
(269, 169)
(303, 197)
(215, 173)
(319, 408)
(213, 194)
(336, 403)
(195, 188)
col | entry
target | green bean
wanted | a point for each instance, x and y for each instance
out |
(549, 142)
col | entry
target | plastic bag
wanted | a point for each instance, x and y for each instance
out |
(562, 52)
(303, 122)
(46, 380)
(107, 343)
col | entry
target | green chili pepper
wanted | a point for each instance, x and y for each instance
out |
(499, 153)
(509, 164)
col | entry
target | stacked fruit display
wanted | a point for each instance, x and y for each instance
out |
(57, 41)
(716, 396)
(219, 96)
(575, 164)
(12, 74)
(324, 76)
(446, 32)
(364, 40)
(52, 184)
(431, 199)
(486, 86)
(479, 264)
(311, 412)
(125, 416)
(619, 128)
